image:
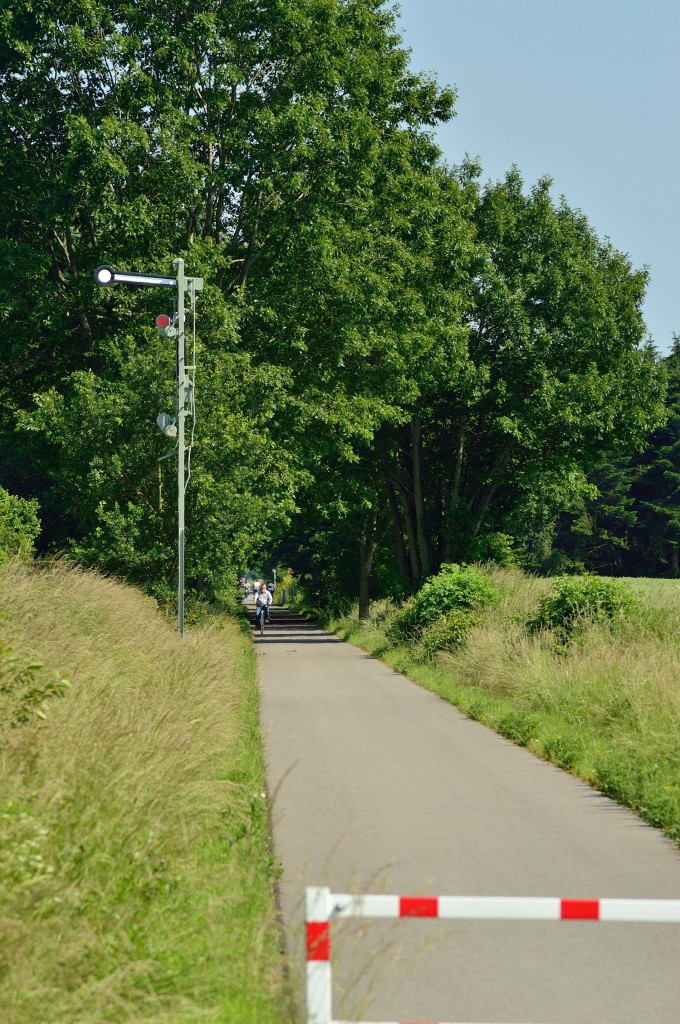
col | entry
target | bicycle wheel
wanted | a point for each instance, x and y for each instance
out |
(262, 622)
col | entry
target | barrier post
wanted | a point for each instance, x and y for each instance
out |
(317, 915)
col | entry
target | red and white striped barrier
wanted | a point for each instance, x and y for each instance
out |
(323, 906)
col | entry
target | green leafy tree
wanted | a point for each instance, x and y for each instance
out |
(243, 136)
(378, 337)
(342, 521)
(552, 378)
(386, 318)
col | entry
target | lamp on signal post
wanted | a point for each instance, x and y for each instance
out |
(106, 275)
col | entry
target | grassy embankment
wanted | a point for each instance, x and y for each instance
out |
(135, 860)
(605, 707)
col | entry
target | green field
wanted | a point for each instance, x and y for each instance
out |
(605, 707)
(135, 860)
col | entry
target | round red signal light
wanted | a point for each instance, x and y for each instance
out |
(163, 320)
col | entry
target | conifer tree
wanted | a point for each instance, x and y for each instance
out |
(656, 492)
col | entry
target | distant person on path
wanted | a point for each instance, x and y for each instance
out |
(262, 602)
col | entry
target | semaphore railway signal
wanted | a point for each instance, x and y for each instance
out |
(171, 327)
(109, 275)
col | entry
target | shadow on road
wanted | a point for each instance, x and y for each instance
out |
(275, 639)
(288, 627)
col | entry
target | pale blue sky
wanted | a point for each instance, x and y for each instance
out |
(586, 91)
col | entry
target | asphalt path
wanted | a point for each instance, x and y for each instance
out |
(377, 786)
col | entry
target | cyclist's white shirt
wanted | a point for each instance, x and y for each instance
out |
(264, 600)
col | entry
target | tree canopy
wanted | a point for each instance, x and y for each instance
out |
(395, 364)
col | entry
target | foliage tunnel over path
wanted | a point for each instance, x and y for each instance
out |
(395, 365)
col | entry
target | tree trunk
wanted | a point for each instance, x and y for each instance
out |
(367, 548)
(409, 522)
(409, 519)
(675, 559)
(418, 497)
(459, 466)
(402, 557)
(454, 488)
(483, 506)
(480, 502)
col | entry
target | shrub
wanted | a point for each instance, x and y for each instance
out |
(495, 547)
(404, 627)
(455, 589)
(19, 526)
(445, 634)
(576, 601)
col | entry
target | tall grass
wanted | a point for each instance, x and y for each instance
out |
(135, 862)
(605, 706)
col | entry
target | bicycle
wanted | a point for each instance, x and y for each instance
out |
(261, 611)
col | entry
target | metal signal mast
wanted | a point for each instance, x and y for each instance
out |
(171, 327)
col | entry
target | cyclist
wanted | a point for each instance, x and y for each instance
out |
(262, 601)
